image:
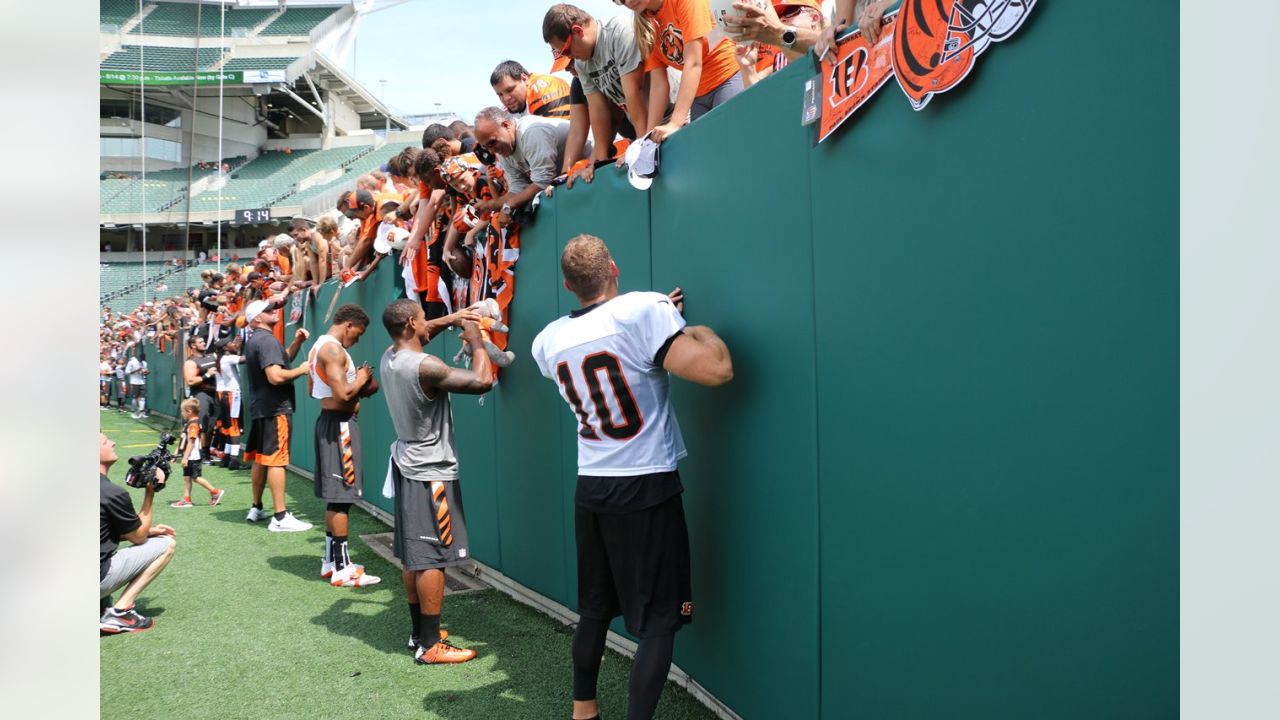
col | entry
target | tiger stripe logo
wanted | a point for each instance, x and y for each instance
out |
(936, 42)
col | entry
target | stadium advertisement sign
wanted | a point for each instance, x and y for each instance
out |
(133, 77)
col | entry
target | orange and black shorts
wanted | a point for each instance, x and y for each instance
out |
(269, 440)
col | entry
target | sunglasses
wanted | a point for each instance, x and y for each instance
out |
(557, 54)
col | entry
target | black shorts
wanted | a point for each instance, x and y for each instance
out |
(431, 531)
(208, 410)
(192, 470)
(337, 476)
(269, 440)
(635, 564)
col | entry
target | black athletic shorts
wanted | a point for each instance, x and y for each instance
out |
(192, 470)
(431, 531)
(636, 565)
(208, 410)
(269, 440)
(337, 476)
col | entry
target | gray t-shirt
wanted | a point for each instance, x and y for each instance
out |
(616, 54)
(425, 448)
(538, 153)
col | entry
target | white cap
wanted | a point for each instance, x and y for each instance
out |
(263, 244)
(641, 160)
(399, 238)
(256, 308)
(381, 241)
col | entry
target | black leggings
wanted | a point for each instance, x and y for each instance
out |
(648, 670)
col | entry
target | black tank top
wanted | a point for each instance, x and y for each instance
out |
(203, 363)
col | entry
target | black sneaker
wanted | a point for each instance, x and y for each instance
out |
(235, 464)
(120, 621)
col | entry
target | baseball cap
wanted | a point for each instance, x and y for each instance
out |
(455, 166)
(642, 159)
(256, 308)
(357, 199)
(561, 63)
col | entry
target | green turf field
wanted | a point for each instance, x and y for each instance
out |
(245, 628)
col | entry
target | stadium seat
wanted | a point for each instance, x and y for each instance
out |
(182, 20)
(116, 12)
(297, 21)
(162, 59)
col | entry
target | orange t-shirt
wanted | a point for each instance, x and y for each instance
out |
(679, 21)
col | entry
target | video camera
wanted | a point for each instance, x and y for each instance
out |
(142, 468)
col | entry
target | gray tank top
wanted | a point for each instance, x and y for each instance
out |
(425, 448)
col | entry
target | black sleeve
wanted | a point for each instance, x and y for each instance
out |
(119, 512)
(576, 95)
(661, 356)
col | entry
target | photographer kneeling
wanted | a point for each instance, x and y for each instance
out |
(133, 567)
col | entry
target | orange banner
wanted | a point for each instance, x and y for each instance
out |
(851, 75)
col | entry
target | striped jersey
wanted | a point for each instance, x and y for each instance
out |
(606, 360)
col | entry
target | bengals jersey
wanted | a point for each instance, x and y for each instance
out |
(607, 361)
(547, 96)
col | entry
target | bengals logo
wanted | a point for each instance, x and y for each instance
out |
(687, 609)
(937, 41)
(849, 76)
(673, 45)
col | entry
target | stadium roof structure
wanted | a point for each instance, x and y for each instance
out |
(297, 62)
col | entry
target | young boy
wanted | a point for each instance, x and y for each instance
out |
(189, 456)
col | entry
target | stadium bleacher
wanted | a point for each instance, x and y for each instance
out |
(116, 12)
(271, 175)
(163, 59)
(180, 20)
(259, 63)
(355, 169)
(125, 195)
(297, 21)
(136, 282)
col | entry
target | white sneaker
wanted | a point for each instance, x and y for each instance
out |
(326, 569)
(353, 576)
(255, 514)
(288, 524)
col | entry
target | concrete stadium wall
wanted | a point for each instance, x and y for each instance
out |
(944, 481)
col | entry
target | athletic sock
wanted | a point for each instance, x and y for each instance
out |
(328, 547)
(280, 515)
(415, 618)
(428, 630)
(648, 674)
(588, 650)
(258, 505)
(340, 557)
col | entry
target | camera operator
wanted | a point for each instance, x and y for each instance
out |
(133, 567)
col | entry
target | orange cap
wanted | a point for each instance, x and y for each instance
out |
(561, 63)
(778, 6)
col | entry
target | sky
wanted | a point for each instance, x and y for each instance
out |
(442, 51)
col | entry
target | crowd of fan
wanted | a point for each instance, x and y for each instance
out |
(452, 208)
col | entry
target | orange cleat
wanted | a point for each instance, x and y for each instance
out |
(442, 652)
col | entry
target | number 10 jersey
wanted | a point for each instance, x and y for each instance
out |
(606, 360)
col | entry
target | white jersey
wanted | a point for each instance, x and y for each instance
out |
(320, 388)
(607, 362)
(228, 377)
(134, 370)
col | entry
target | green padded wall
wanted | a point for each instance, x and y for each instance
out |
(997, 393)
(943, 482)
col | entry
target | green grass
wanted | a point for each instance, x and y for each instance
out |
(245, 628)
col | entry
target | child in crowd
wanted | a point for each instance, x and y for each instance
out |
(189, 456)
